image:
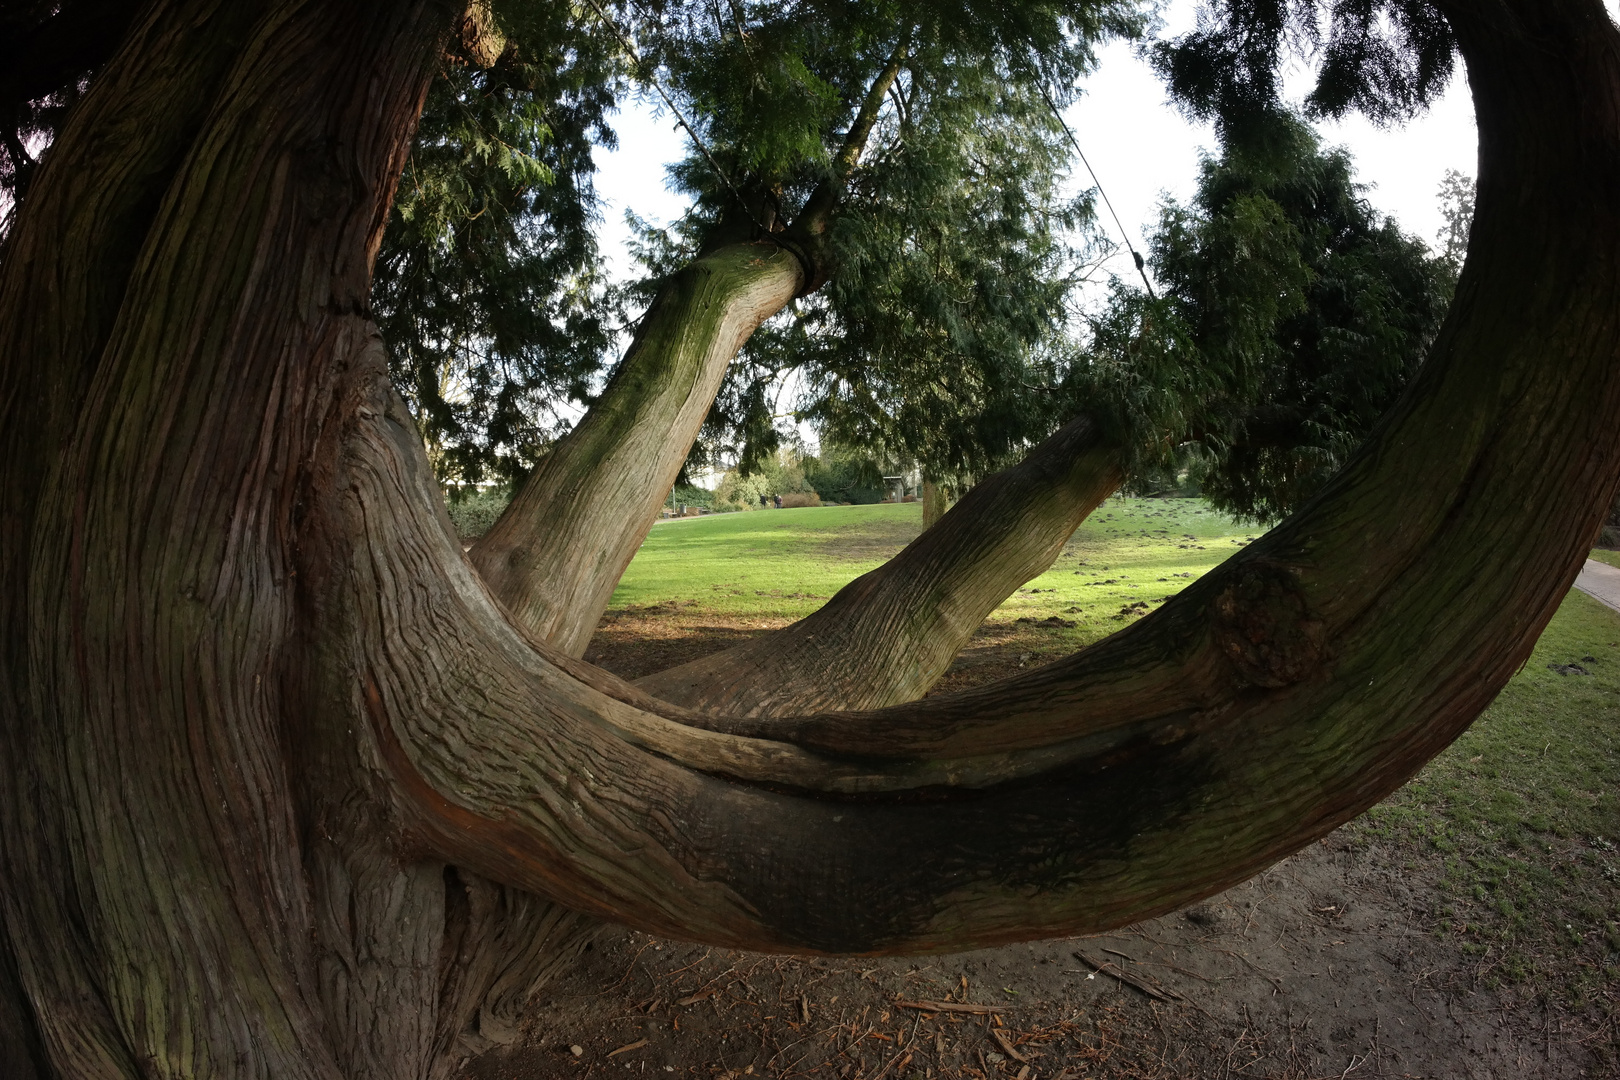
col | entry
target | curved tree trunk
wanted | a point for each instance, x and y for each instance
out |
(1282, 694)
(887, 636)
(257, 705)
(555, 555)
(175, 902)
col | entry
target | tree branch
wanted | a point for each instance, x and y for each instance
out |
(558, 550)
(808, 231)
(890, 634)
(1283, 693)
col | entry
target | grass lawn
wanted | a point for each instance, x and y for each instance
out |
(1521, 818)
(1129, 556)
(1517, 824)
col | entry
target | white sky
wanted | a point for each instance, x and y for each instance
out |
(1141, 148)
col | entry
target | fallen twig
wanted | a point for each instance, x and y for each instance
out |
(1006, 1045)
(1141, 984)
(950, 1007)
(637, 1045)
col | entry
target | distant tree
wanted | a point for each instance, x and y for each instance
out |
(1457, 212)
(1291, 319)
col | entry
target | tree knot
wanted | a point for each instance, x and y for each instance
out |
(1264, 626)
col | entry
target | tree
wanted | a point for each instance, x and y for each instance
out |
(799, 154)
(1289, 321)
(487, 285)
(282, 787)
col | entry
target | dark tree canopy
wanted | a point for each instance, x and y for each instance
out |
(1291, 318)
(485, 281)
(1385, 58)
(487, 285)
(48, 51)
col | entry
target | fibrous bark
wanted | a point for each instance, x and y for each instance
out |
(257, 705)
(175, 904)
(559, 549)
(555, 555)
(1280, 695)
(887, 636)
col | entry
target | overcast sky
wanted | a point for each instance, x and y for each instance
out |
(1140, 147)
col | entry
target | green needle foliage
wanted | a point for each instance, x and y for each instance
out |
(1387, 59)
(487, 287)
(957, 253)
(1291, 317)
(950, 250)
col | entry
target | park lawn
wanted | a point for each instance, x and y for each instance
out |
(1131, 553)
(1521, 819)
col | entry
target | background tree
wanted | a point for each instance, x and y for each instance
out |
(1457, 211)
(488, 286)
(1290, 320)
(795, 110)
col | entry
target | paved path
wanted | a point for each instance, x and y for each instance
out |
(1600, 581)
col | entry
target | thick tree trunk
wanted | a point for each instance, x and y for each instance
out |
(178, 306)
(557, 552)
(887, 636)
(936, 499)
(257, 705)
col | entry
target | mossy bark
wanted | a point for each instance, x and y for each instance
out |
(195, 882)
(557, 552)
(887, 636)
(273, 759)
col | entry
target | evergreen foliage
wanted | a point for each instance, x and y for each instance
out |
(487, 287)
(952, 249)
(1290, 320)
(957, 254)
(1387, 59)
(1457, 213)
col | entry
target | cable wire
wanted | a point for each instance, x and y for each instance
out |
(1141, 266)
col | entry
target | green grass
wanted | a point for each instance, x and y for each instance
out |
(1521, 813)
(766, 562)
(785, 563)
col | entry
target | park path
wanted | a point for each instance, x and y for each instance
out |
(1601, 582)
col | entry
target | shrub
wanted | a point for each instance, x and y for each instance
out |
(474, 510)
(801, 498)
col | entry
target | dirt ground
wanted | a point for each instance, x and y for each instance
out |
(1321, 967)
(1326, 965)
(637, 641)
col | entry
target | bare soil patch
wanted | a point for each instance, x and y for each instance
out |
(638, 641)
(1326, 965)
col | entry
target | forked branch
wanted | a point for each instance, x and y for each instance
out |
(888, 636)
